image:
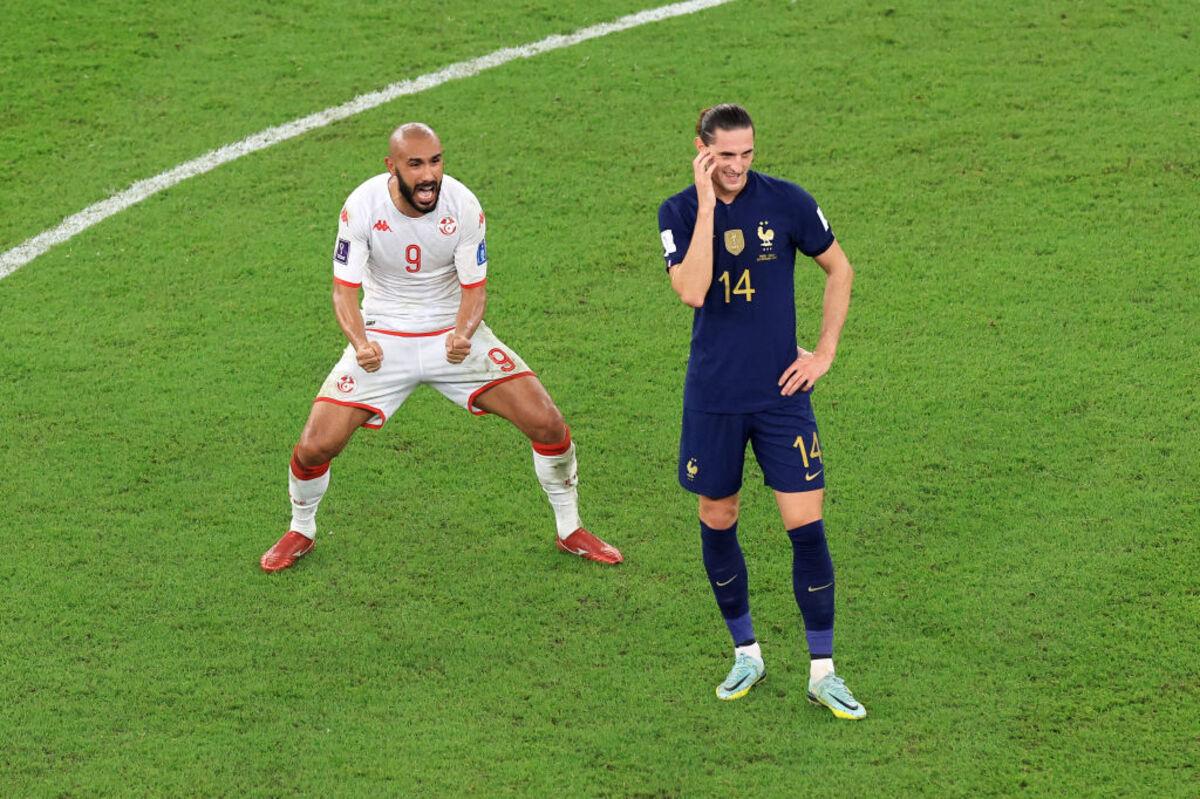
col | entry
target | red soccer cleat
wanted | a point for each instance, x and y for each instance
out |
(589, 547)
(286, 551)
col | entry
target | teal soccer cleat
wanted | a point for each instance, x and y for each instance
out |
(831, 691)
(747, 672)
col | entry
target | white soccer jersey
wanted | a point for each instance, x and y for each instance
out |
(411, 270)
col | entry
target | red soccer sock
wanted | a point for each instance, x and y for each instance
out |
(557, 448)
(307, 472)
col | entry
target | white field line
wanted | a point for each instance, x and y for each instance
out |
(18, 256)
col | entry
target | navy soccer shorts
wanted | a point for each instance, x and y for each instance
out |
(712, 450)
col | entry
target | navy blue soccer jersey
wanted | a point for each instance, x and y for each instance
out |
(744, 336)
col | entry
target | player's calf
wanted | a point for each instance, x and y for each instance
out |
(326, 433)
(557, 470)
(306, 486)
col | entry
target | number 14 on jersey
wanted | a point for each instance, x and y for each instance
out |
(742, 286)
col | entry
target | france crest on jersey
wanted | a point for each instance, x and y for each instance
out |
(744, 336)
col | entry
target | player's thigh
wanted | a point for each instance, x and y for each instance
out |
(381, 392)
(712, 452)
(495, 379)
(788, 448)
(526, 404)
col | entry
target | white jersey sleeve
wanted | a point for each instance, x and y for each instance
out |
(470, 255)
(353, 244)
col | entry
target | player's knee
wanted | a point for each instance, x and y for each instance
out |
(549, 427)
(314, 449)
(719, 514)
(804, 519)
(798, 510)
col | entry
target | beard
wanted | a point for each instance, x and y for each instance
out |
(407, 192)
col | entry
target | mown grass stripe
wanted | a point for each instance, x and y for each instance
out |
(22, 254)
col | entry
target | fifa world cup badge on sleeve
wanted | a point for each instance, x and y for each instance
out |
(341, 253)
(481, 253)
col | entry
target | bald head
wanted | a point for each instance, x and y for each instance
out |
(415, 161)
(406, 133)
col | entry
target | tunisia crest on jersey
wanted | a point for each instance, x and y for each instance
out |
(447, 225)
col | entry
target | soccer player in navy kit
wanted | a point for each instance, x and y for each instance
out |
(730, 243)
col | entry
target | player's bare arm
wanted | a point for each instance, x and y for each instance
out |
(691, 278)
(739, 344)
(408, 238)
(809, 367)
(350, 320)
(470, 314)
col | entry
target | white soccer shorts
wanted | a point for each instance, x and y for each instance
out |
(412, 359)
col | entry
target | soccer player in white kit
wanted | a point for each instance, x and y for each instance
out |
(413, 240)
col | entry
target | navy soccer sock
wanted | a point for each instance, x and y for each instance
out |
(727, 573)
(812, 582)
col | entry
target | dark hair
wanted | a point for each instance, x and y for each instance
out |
(726, 116)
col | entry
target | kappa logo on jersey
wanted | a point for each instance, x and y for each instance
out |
(447, 225)
(481, 253)
(381, 224)
(345, 217)
(345, 384)
(341, 253)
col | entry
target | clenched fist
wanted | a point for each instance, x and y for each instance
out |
(457, 348)
(370, 356)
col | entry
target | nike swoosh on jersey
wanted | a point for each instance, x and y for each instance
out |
(819, 587)
(813, 476)
(727, 582)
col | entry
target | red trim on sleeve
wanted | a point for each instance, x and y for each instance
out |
(404, 334)
(471, 399)
(367, 424)
(347, 283)
(553, 449)
(473, 285)
(303, 472)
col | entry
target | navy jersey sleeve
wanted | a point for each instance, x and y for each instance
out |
(675, 233)
(811, 232)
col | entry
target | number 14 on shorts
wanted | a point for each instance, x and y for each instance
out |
(807, 453)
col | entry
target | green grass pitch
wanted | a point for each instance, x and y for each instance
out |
(1010, 427)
